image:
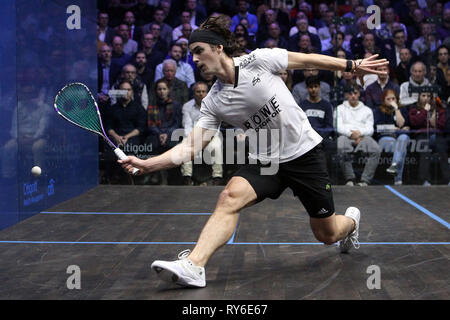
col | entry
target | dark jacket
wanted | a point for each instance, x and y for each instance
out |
(164, 117)
(374, 93)
(125, 119)
(380, 118)
(320, 115)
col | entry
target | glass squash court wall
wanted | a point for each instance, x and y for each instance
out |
(45, 45)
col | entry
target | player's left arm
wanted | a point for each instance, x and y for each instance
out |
(298, 60)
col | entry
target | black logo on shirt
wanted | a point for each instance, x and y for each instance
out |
(264, 115)
(247, 61)
(256, 80)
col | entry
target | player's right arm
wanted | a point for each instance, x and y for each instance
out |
(182, 152)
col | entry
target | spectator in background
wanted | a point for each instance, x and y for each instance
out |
(140, 94)
(326, 32)
(163, 118)
(186, 31)
(426, 42)
(338, 75)
(359, 11)
(104, 32)
(274, 33)
(368, 45)
(130, 46)
(286, 75)
(126, 119)
(300, 91)
(356, 42)
(178, 89)
(337, 40)
(242, 6)
(418, 71)
(243, 44)
(294, 29)
(241, 31)
(185, 19)
(164, 32)
(402, 70)
(391, 126)
(142, 12)
(191, 113)
(354, 125)
(143, 71)
(443, 31)
(198, 12)
(392, 53)
(302, 25)
(270, 43)
(445, 93)
(304, 44)
(119, 57)
(318, 111)
(415, 27)
(166, 6)
(442, 65)
(387, 28)
(267, 19)
(184, 70)
(186, 54)
(374, 92)
(107, 73)
(427, 118)
(208, 79)
(134, 32)
(321, 20)
(154, 56)
(348, 80)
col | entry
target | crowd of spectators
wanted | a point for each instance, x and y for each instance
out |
(142, 49)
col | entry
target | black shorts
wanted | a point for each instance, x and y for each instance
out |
(306, 175)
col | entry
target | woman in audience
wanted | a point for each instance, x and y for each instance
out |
(391, 123)
(286, 75)
(163, 118)
(427, 118)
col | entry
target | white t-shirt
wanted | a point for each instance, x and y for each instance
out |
(261, 102)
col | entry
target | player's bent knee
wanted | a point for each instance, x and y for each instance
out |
(236, 196)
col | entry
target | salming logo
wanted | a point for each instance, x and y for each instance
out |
(256, 80)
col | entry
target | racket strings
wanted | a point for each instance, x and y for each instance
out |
(77, 105)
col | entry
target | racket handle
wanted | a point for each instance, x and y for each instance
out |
(122, 156)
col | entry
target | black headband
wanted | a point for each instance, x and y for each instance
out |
(206, 36)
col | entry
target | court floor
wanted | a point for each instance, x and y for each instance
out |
(113, 234)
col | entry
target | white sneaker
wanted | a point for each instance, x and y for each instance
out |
(182, 272)
(426, 184)
(352, 239)
(398, 183)
(393, 168)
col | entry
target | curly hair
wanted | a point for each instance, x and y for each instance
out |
(220, 24)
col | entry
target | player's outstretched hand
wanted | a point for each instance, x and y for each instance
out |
(370, 65)
(132, 162)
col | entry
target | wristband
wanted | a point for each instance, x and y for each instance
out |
(349, 66)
